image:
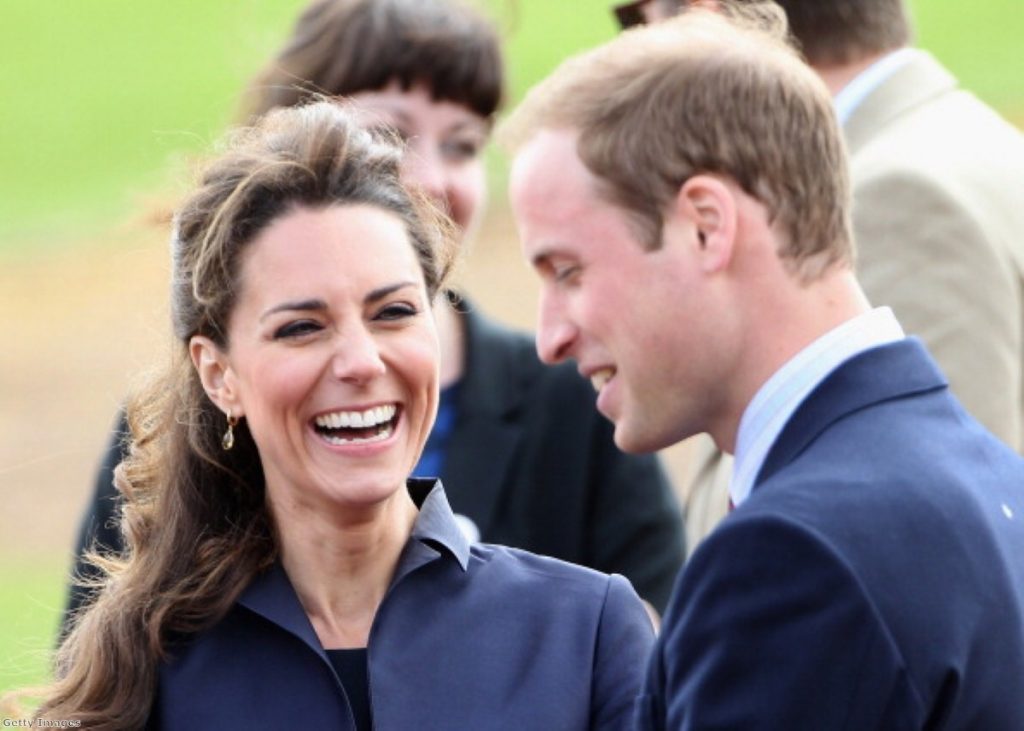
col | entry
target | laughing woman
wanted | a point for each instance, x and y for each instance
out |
(281, 570)
(526, 459)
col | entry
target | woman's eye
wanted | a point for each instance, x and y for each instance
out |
(296, 329)
(462, 149)
(397, 312)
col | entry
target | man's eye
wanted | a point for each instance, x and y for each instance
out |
(566, 272)
(296, 329)
(397, 312)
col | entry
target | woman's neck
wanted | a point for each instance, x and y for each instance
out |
(341, 566)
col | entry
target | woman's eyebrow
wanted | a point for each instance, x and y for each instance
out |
(382, 292)
(318, 304)
(298, 305)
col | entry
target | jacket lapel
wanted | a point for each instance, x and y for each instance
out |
(920, 79)
(887, 372)
(488, 429)
(272, 596)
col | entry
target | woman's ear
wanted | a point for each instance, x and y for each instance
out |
(214, 369)
(710, 207)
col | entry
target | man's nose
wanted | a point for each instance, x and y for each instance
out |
(556, 334)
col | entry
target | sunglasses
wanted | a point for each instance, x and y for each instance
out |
(637, 12)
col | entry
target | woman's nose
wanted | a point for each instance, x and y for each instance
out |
(357, 358)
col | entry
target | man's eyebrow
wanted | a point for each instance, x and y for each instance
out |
(545, 255)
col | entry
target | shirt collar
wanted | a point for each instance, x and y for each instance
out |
(858, 89)
(781, 395)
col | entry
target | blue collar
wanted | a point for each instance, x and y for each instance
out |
(435, 535)
(436, 521)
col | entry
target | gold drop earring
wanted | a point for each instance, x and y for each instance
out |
(228, 440)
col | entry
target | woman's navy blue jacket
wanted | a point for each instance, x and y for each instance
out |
(474, 637)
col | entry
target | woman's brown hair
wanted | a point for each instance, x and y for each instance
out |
(340, 47)
(194, 520)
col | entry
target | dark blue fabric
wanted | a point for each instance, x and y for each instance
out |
(481, 637)
(873, 580)
(350, 666)
(432, 460)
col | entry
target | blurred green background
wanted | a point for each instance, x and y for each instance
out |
(104, 100)
(102, 97)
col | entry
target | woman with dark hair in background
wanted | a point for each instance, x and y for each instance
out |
(280, 570)
(525, 458)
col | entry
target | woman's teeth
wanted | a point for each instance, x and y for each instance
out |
(357, 419)
(601, 377)
(357, 427)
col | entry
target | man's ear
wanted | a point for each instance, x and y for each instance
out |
(214, 369)
(709, 206)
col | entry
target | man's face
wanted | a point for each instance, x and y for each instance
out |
(636, 320)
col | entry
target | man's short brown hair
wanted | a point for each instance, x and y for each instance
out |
(706, 93)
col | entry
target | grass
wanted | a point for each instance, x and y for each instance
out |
(102, 96)
(30, 608)
(981, 43)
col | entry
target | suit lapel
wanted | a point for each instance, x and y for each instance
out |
(919, 80)
(488, 428)
(887, 372)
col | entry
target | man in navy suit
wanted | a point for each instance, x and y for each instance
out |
(683, 194)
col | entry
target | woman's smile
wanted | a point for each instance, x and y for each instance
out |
(358, 426)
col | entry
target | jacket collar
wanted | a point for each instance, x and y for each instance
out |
(435, 534)
(501, 365)
(435, 525)
(887, 372)
(916, 82)
(489, 361)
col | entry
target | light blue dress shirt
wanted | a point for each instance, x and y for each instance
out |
(781, 395)
(851, 95)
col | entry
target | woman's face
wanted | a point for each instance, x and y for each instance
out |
(332, 356)
(444, 140)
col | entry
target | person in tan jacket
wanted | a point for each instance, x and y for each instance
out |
(938, 215)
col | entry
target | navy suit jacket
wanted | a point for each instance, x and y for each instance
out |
(873, 580)
(467, 637)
